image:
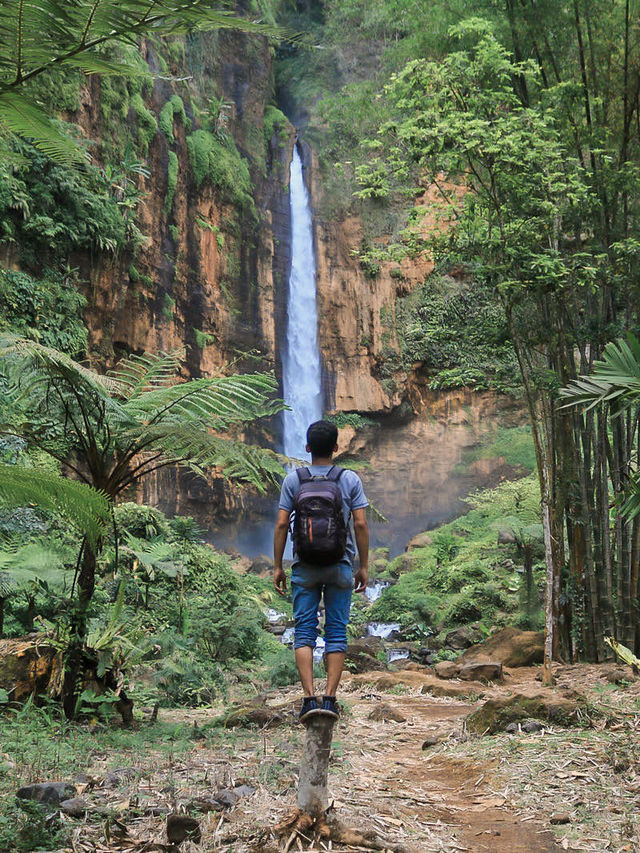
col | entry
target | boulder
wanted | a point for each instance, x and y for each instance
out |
(75, 807)
(488, 671)
(462, 638)
(262, 565)
(454, 691)
(423, 655)
(405, 563)
(545, 705)
(47, 792)
(263, 716)
(446, 669)
(385, 714)
(362, 655)
(28, 666)
(181, 827)
(422, 540)
(510, 647)
(506, 536)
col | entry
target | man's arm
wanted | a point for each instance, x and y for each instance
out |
(279, 542)
(361, 529)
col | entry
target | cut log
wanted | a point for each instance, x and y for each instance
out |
(312, 785)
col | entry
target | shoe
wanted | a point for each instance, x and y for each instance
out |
(309, 706)
(330, 707)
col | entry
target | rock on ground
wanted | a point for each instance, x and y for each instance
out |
(181, 827)
(488, 671)
(385, 713)
(27, 666)
(47, 792)
(496, 714)
(510, 647)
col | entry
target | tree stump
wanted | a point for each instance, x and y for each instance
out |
(314, 768)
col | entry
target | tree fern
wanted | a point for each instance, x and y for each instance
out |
(37, 35)
(87, 509)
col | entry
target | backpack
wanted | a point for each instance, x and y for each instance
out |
(319, 530)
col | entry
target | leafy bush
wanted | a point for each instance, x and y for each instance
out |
(216, 158)
(49, 210)
(48, 309)
(143, 522)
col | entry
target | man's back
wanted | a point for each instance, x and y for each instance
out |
(353, 497)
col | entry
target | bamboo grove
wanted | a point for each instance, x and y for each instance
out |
(529, 127)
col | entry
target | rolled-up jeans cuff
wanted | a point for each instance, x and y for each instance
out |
(335, 647)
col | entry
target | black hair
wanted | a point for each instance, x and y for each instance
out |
(322, 437)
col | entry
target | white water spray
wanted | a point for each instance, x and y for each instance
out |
(301, 368)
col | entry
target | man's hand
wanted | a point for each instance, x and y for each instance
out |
(361, 579)
(280, 581)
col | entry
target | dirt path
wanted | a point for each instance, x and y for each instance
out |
(417, 781)
(439, 803)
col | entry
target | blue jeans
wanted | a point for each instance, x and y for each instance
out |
(308, 585)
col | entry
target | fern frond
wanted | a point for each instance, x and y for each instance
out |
(140, 373)
(30, 563)
(31, 354)
(20, 116)
(201, 451)
(214, 402)
(88, 509)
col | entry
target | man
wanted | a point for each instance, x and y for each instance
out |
(334, 582)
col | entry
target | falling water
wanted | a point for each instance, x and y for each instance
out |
(301, 367)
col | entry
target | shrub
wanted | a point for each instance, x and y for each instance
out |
(143, 522)
(216, 158)
(172, 180)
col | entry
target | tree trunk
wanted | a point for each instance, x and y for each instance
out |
(74, 655)
(314, 768)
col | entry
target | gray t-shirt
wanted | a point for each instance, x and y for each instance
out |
(353, 497)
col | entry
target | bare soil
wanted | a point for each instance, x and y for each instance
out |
(456, 794)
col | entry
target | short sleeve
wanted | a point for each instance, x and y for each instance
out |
(288, 492)
(357, 497)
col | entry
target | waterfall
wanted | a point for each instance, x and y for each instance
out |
(301, 366)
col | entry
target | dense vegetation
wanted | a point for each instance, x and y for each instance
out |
(520, 121)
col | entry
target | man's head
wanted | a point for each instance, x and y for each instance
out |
(322, 437)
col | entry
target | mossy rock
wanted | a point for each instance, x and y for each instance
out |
(263, 716)
(496, 714)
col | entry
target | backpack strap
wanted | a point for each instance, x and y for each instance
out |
(304, 475)
(335, 473)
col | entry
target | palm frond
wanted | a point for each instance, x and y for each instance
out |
(87, 509)
(154, 556)
(138, 374)
(616, 377)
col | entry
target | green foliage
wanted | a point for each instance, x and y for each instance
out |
(48, 309)
(350, 419)
(25, 827)
(172, 180)
(146, 124)
(49, 211)
(171, 111)
(460, 576)
(214, 157)
(458, 333)
(168, 307)
(86, 508)
(275, 122)
(143, 522)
